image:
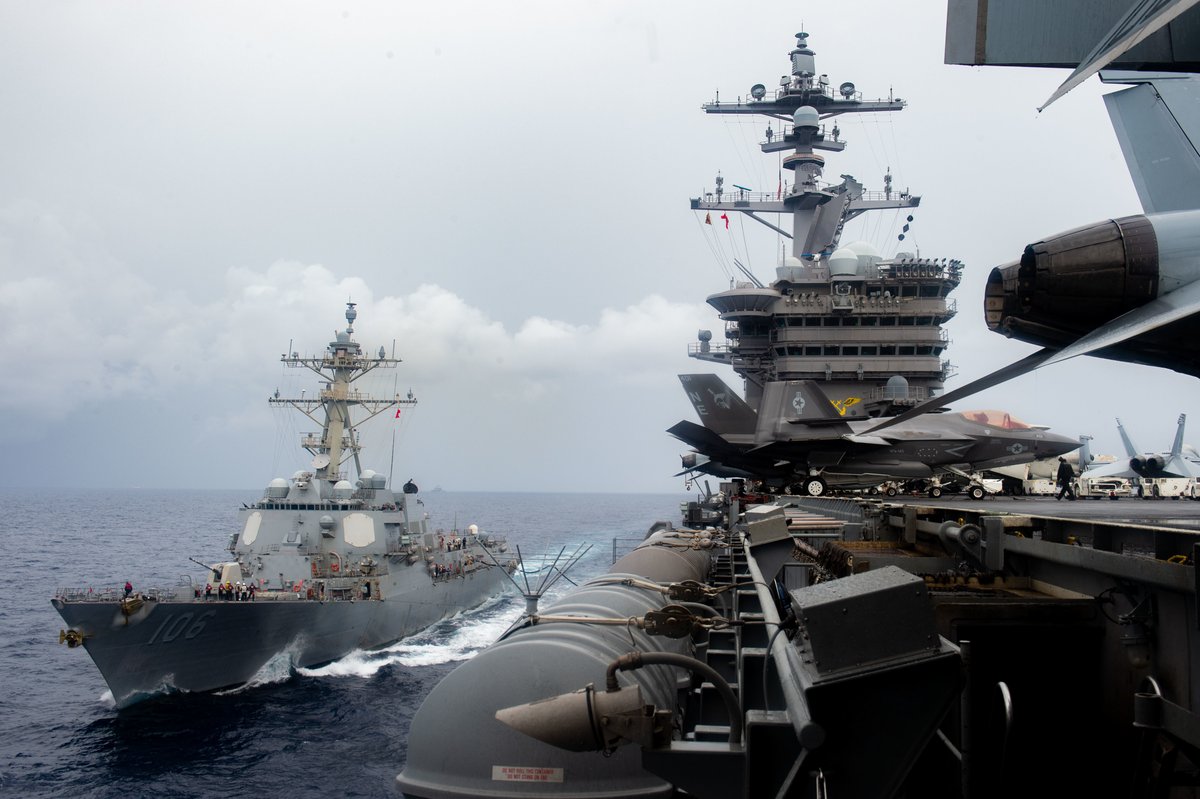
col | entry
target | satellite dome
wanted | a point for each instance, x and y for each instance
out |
(896, 388)
(277, 488)
(844, 261)
(863, 248)
(806, 117)
(342, 489)
(868, 256)
(343, 337)
(326, 522)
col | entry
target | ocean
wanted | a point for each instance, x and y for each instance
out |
(340, 730)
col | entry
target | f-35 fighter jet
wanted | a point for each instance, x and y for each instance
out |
(800, 436)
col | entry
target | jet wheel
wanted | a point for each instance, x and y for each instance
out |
(976, 492)
(935, 492)
(814, 487)
(891, 491)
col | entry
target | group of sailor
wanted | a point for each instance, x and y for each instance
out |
(453, 544)
(231, 592)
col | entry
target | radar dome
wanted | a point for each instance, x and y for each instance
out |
(277, 488)
(806, 117)
(896, 388)
(868, 256)
(326, 522)
(342, 489)
(844, 261)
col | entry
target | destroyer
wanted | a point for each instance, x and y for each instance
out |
(321, 566)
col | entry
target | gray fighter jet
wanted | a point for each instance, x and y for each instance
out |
(1151, 465)
(801, 436)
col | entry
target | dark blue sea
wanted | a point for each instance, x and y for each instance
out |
(341, 730)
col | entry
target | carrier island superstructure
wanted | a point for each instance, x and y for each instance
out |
(320, 566)
(867, 327)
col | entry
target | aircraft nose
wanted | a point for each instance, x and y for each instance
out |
(1054, 444)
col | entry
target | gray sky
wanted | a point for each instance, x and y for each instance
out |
(503, 188)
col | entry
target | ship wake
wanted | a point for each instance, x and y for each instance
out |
(457, 638)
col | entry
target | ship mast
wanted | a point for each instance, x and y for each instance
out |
(341, 365)
(804, 99)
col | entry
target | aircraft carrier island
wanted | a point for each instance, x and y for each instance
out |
(783, 643)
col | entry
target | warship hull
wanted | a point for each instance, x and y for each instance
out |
(198, 645)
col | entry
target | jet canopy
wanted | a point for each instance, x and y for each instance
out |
(1000, 419)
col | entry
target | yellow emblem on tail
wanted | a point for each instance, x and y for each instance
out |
(843, 405)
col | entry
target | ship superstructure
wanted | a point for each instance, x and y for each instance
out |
(320, 567)
(866, 326)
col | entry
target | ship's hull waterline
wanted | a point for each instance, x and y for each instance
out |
(199, 645)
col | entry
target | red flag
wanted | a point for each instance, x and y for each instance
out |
(397, 413)
(708, 219)
(726, 218)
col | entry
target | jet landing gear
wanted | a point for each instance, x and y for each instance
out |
(813, 487)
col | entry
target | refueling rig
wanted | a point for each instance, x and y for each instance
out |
(823, 647)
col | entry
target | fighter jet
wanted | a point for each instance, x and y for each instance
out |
(1149, 464)
(801, 436)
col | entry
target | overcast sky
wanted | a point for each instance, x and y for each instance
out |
(503, 188)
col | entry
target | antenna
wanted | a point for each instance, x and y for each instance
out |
(747, 273)
(550, 568)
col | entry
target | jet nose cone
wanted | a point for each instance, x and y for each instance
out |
(1054, 444)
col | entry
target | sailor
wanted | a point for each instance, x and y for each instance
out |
(207, 591)
(1064, 476)
(128, 589)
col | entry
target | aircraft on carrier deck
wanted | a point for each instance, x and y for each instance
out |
(799, 435)
(1148, 474)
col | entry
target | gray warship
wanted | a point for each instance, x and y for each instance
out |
(320, 566)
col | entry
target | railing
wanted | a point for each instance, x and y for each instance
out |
(623, 546)
(112, 594)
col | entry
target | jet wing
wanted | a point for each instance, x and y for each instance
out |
(1142, 19)
(1179, 466)
(1116, 469)
(1181, 303)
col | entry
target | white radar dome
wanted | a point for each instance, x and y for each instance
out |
(806, 117)
(868, 256)
(844, 261)
(277, 488)
(342, 489)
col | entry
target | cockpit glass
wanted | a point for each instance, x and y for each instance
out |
(999, 419)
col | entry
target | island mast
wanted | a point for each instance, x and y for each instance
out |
(342, 364)
(866, 327)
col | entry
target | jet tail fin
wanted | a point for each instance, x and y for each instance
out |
(1130, 449)
(1085, 453)
(1177, 447)
(794, 409)
(719, 407)
(1158, 129)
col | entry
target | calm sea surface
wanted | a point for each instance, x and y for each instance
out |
(336, 731)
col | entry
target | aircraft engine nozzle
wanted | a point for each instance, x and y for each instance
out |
(1146, 464)
(586, 720)
(1067, 285)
